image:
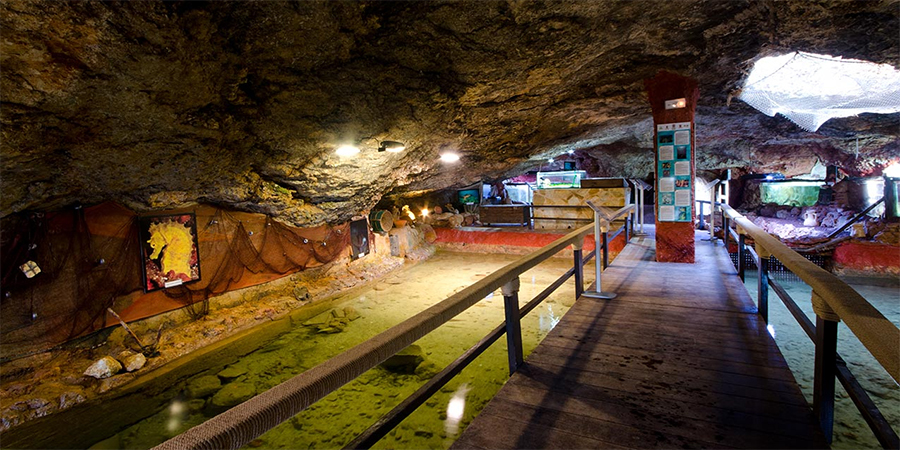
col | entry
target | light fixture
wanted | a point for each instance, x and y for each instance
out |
(676, 103)
(892, 170)
(449, 157)
(425, 213)
(347, 150)
(550, 160)
(391, 146)
(571, 152)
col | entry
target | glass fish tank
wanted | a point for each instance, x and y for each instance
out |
(790, 193)
(560, 179)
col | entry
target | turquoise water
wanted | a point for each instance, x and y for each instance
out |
(342, 415)
(850, 430)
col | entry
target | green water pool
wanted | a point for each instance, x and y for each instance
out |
(341, 416)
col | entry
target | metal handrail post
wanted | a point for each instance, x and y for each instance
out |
(641, 212)
(742, 253)
(598, 264)
(762, 287)
(510, 292)
(726, 227)
(605, 249)
(702, 222)
(823, 383)
(579, 270)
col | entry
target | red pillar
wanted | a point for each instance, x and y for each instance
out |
(674, 182)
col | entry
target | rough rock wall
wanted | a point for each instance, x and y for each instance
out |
(242, 104)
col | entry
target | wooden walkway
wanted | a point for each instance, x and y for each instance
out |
(678, 360)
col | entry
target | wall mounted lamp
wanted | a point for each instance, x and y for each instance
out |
(391, 146)
(676, 103)
(347, 150)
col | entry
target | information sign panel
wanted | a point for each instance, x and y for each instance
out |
(673, 170)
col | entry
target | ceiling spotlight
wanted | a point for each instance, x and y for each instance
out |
(550, 160)
(347, 150)
(391, 146)
(449, 157)
(571, 152)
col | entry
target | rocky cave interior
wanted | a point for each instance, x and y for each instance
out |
(234, 111)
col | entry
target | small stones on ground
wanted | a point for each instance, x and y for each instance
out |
(405, 361)
(69, 399)
(301, 293)
(132, 361)
(196, 404)
(232, 372)
(351, 313)
(104, 367)
(204, 386)
(233, 394)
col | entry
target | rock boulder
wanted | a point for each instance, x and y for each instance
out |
(104, 367)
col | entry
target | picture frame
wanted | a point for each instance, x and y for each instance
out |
(359, 238)
(170, 253)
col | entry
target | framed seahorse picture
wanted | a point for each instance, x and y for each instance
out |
(169, 250)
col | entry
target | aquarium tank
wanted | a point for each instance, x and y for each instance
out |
(790, 193)
(561, 179)
(469, 196)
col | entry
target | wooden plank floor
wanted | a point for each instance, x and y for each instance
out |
(678, 359)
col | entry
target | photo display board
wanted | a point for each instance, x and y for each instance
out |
(673, 170)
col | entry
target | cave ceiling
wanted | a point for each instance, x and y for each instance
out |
(242, 104)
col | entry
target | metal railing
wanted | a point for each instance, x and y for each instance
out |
(833, 300)
(246, 421)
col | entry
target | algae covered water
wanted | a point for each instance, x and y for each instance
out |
(850, 430)
(338, 418)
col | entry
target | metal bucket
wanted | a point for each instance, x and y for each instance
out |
(382, 221)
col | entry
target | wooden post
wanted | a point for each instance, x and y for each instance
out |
(823, 384)
(579, 268)
(513, 327)
(742, 253)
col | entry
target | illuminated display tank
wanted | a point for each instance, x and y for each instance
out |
(791, 193)
(560, 180)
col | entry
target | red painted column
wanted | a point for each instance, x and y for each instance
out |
(674, 238)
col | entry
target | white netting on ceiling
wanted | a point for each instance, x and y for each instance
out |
(809, 89)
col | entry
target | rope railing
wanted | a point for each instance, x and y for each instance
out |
(246, 421)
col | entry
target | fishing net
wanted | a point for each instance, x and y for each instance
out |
(90, 259)
(809, 89)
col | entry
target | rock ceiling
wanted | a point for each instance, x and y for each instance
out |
(156, 105)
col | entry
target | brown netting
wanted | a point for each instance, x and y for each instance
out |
(90, 260)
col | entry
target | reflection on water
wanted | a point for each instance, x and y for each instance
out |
(339, 417)
(850, 430)
(548, 320)
(456, 407)
(177, 411)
